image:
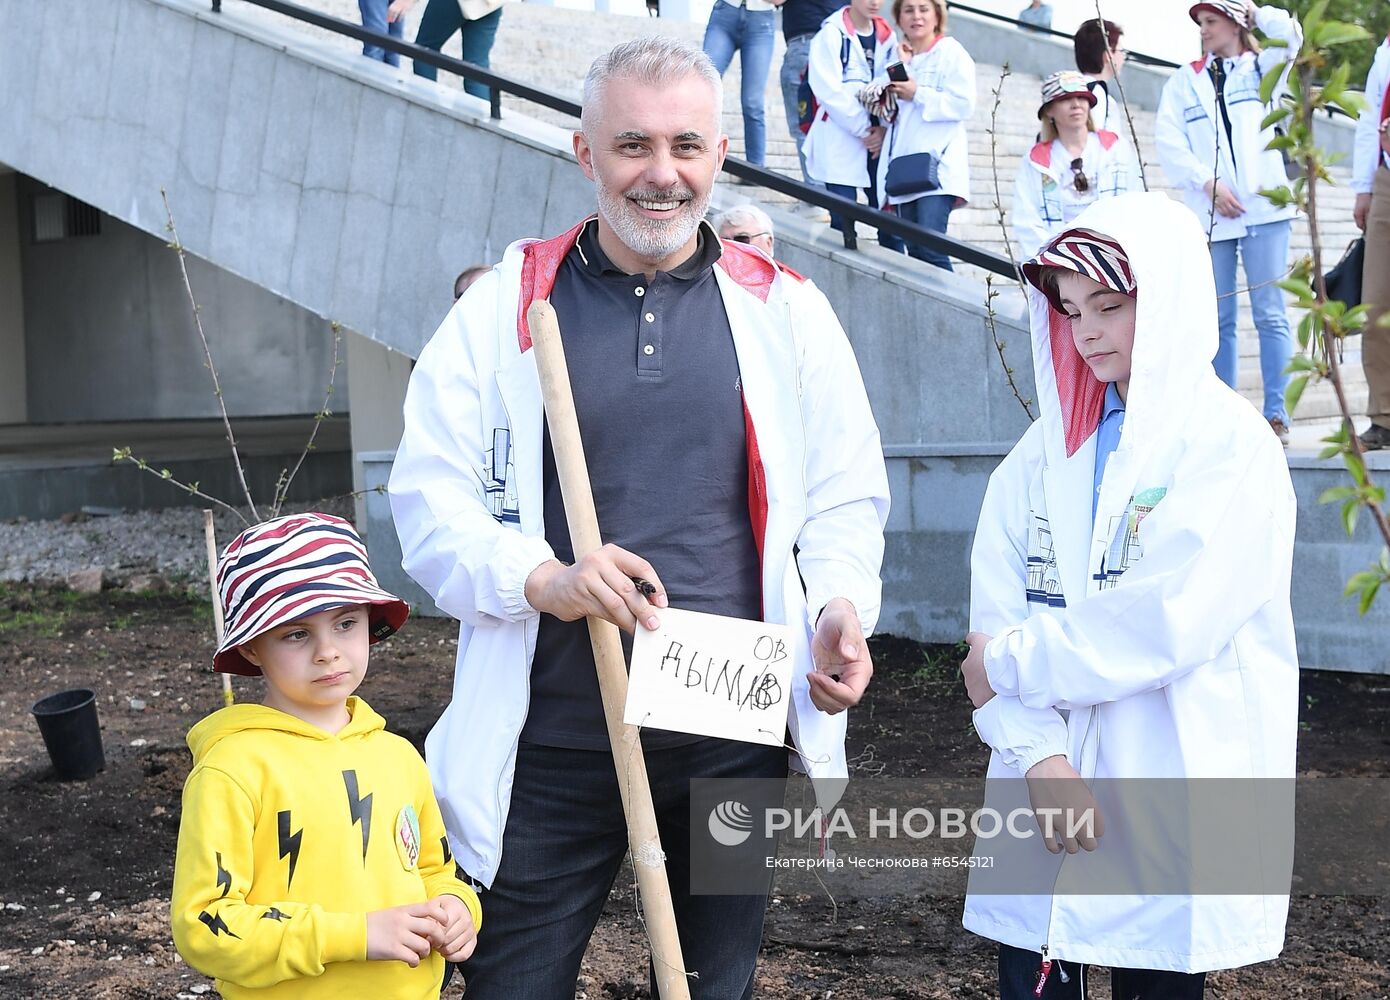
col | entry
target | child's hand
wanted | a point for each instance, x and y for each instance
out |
(397, 8)
(972, 670)
(1064, 807)
(455, 936)
(401, 934)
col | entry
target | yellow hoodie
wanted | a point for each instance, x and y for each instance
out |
(290, 836)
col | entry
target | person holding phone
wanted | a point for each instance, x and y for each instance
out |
(924, 172)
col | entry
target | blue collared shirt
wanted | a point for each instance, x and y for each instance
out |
(1112, 422)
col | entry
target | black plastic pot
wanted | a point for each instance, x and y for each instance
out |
(68, 722)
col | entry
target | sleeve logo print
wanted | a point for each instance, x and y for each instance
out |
(408, 837)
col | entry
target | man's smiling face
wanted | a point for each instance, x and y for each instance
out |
(653, 153)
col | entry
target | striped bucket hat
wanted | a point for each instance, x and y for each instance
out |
(1067, 83)
(290, 568)
(1087, 253)
(1234, 9)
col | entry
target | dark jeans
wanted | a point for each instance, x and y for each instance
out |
(932, 212)
(837, 222)
(439, 22)
(563, 847)
(1018, 975)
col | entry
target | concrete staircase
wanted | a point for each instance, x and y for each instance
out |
(554, 46)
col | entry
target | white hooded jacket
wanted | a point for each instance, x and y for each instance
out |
(837, 71)
(1156, 641)
(466, 495)
(1191, 136)
(1045, 195)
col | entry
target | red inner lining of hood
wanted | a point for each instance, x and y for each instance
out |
(1080, 393)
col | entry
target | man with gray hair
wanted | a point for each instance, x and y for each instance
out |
(736, 468)
(746, 223)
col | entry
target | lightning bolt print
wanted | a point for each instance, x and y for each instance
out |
(359, 808)
(275, 913)
(448, 855)
(214, 923)
(289, 842)
(224, 877)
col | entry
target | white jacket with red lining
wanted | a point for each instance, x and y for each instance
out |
(835, 150)
(1045, 196)
(470, 523)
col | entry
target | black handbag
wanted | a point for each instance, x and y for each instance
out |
(1344, 281)
(913, 174)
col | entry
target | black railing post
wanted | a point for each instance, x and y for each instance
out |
(217, 6)
(494, 99)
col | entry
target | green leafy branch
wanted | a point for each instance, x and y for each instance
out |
(1325, 324)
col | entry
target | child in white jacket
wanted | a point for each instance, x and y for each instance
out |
(844, 141)
(1212, 148)
(1130, 619)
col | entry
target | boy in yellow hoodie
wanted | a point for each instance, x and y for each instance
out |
(312, 858)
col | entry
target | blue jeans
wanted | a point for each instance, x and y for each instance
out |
(737, 29)
(563, 847)
(374, 19)
(932, 212)
(837, 222)
(1018, 975)
(793, 65)
(1265, 253)
(438, 24)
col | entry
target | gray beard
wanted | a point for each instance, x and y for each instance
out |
(650, 240)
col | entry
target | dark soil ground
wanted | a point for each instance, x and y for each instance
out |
(85, 868)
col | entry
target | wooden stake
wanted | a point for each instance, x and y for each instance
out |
(211, 539)
(643, 839)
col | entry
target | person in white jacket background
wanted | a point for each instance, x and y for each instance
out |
(1130, 619)
(1212, 148)
(735, 464)
(844, 143)
(1370, 179)
(933, 105)
(1071, 167)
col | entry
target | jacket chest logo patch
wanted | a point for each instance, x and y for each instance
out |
(408, 837)
(1044, 585)
(1125, 547)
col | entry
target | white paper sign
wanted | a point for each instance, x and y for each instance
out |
(711, 676)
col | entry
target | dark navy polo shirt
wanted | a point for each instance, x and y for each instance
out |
(660, 405)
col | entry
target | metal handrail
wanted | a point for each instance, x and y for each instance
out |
(499, 84)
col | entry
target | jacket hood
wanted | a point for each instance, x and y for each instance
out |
(239, 718)
(1174, 332)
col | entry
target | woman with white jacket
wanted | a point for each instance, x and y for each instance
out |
(843, 143)
(1070, 168)
(934, 103)
(1130, 617)
(1212, 148)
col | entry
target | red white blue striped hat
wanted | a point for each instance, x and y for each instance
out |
(292, 567)
(1087, 253)
(1234, 9)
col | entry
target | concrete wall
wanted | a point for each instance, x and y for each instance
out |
(110, 333)
(13, 398)
(377, 377)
